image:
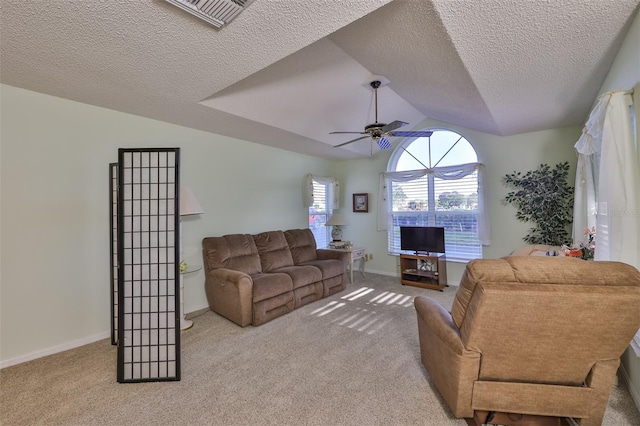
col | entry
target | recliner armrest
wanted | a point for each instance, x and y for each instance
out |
(440, 322)
(452, 368)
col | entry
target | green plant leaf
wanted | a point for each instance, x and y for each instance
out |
(544, 198)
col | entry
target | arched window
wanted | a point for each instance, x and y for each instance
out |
(436, 181)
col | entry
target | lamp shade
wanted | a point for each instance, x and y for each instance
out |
(337, 219)
(189, 203)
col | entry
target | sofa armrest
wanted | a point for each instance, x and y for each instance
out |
(452, 367)
(331, 254)
(230, 294)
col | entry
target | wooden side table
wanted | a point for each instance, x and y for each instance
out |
(354, 254)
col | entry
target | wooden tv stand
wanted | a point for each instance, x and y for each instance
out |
(424, 270)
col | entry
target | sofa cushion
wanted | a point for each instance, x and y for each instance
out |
(267, 285)
(236, 251)
(273, 250)
(328, 267)
(301, 275)
(302, 244)
(307, 294)
(268, 309)
(334, 285)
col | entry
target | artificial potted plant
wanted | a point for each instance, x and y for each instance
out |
(544, 198)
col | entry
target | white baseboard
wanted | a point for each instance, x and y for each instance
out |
(68, 345)
(196, 308)
(55, 349)
(634, 392)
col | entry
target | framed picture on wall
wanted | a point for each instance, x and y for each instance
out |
(361, 203)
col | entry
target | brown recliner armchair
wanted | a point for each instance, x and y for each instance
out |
(531, 335)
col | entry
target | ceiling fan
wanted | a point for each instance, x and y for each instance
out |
(379, 132)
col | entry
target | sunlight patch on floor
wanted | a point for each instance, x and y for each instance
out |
(328, 308)
(390, 298)
(366, 320)
(358, 293)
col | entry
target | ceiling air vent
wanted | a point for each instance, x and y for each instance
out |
(215, 12)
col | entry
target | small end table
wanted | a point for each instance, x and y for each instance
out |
(354, 253)
(184, 322)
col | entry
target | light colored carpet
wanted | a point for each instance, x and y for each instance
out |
(350, 359)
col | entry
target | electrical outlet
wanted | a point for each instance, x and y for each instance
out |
(370, 256)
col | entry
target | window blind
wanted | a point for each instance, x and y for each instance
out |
(431, 201)
(320, 212)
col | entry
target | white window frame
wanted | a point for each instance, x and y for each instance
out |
(387, 217)
(321, 206)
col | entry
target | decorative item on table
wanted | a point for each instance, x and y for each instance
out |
(336, 220)
(360, 203)
(584, 249)
(337, 244)
(426, 265)
(189, 207)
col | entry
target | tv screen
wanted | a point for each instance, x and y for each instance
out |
(422, 239)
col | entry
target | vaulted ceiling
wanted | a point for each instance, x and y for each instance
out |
(286, 73)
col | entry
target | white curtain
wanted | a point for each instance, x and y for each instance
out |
(608, 180)
(588, 148)
(307, 196)
(445, 173)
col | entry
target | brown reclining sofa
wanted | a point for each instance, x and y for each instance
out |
(252, 279)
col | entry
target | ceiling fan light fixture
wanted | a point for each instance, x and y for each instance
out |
(383, 143)
(379, 132)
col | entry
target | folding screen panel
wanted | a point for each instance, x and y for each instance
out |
(113, 222)
(149, 274)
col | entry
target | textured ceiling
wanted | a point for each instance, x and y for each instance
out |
(287, 73)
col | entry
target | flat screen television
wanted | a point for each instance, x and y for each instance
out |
(428, 239)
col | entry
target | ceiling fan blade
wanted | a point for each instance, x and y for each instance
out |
(383, 143)
(351, 141)
(411, 134)
(393, 125)
(346, 133)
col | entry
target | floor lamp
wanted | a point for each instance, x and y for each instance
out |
(189, 206)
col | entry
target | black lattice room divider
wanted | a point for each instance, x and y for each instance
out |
(147, 327)
(113, 222)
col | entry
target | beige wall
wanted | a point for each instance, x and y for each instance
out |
(54, 288)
